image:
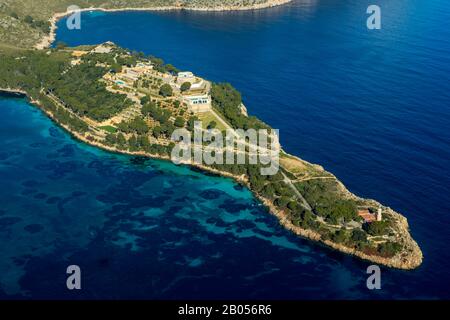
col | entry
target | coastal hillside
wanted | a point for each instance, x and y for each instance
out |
(144, 100)
(24, 22)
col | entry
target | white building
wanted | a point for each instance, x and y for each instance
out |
(379, 215)
(144, 65)
(185, 77)
(133, 73)
(185, 74)
(200, 103)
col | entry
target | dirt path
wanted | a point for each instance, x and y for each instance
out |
(304, 203)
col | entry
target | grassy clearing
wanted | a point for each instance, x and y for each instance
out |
(109, 129)
(207, 118)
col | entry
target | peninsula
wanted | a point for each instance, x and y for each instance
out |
(131, 103)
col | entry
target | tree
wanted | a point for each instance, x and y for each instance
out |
(152, 110)
(340, 236)
(145, 100)
(268, 191)
(137, 125)
(280, 188)
(344, 209)
(179, 122)
(282, 201)
(389, 248)
(14, 15)
(294, 206)
(190, 123)
(165, 90)
(133, 143)
(157, 132)
(376, 228)
(144, 142)
(111, 139)
(148, 108)
(307, 219)
(121, 141)
(156, 61)
(227, 100)
(171, 69)
(359, 235)
(167, 128)
(212, 125)
(185, 86)
(116, 68)
(28, 19)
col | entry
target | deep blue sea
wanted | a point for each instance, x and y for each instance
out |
(373, 107)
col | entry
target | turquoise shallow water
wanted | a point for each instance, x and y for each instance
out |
(142, 228)
(148, 224)
(372, 108)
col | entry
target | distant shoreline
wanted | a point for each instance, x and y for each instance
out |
(12, 92)
(47, 40)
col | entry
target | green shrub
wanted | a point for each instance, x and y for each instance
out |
(340, 236)
(185, 86)
(389, 248)
(165, 90)
(376, 228)
(359, 235)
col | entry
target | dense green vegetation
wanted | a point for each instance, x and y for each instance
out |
(109, 129)
(77, 87)
(166, 127)
(325, 200)
(152, 110)
(376, 228)
(78, 90)
(43, 26)
(160, 66)
(137, 143)
(165, 90)
(185, 86)
(227, 101)
(388, 249)
(179, 122)
(137, 125)
(29, 70)
(64, 117)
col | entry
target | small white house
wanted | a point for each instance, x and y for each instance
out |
(186, 76)
(198, 103)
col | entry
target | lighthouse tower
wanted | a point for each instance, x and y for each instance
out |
(379, 215)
